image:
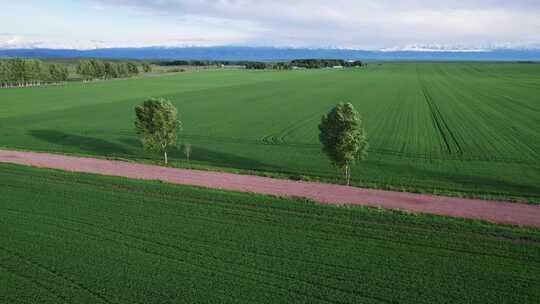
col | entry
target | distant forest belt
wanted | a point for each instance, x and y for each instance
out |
(463, 129)
(499, 212)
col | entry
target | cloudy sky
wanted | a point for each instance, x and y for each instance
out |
(360, 24)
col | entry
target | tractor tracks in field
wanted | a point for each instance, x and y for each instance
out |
(35, 282)
(494, 74)
(511, 113)
(278, 138)
(450, 143)
(312, 147)
(58, 275)
(267, 140)
(124, 239)
(272, 139)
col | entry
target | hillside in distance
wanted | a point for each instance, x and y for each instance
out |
(275, 54)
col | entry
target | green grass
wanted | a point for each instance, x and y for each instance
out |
(77, 238)
(471, 129)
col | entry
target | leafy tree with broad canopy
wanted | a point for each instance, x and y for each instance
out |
(343, 137)
(157, 125)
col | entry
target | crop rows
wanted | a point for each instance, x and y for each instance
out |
(74, 238)
(452, 127)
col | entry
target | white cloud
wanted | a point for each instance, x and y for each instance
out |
(367, 24)
(11, 41)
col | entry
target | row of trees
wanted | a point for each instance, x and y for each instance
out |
(341, 133)
(282, 66)
(303, 63)
(97, 69)
(20, 72)
(324, 63)
(194, 62)
(257, 65)
(267, 65)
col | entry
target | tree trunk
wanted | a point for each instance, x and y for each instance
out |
(165, 157)
(347, 175)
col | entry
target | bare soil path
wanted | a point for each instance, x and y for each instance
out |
(499, 212)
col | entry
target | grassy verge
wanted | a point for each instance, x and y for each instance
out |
(80, 238)
(371, 184)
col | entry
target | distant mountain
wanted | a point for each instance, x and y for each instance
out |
(275, 54)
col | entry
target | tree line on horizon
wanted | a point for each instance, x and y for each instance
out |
(304, 63)
(91, 69)
(325, 63)
(19, 72)
(259, 65)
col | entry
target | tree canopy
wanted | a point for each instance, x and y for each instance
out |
(27, 72)
(147, 68)
(157, 125)
(132, 68)
(255, 65)
(58, 72)
(324, 63)
(343, 137)
(97, 69)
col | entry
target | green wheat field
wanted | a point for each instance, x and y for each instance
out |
(77, 238)
(468, 129)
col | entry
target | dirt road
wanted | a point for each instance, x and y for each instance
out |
(499, 212)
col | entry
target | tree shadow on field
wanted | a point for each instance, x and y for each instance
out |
(83, 143)
(210, 157)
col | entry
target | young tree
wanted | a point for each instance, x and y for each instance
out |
(80, 67)
(86, 69)
(121, 69)
(8, 73)
(64, 73)
(147, 68)
(19, 71)
(110, 70)
(132, 68)
(157, 125)
(58, 73)
(187, 151)
(4, 74)
(98, 68)
(54, 73)
(34, 71)
(343, 138)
